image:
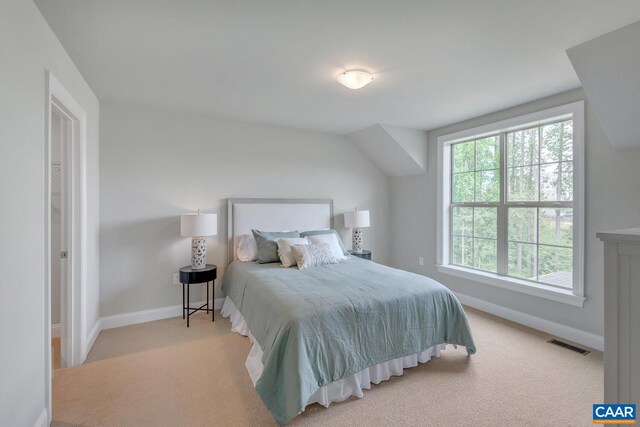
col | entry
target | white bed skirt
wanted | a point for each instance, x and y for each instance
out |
(339, 390)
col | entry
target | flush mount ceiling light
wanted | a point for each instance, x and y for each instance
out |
(355, 79)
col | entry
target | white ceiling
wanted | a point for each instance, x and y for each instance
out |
(435, 62)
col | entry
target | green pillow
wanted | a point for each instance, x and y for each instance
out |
(267, 246)
(316, 232)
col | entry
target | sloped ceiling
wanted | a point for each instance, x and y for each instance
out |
(609, 69)
(397, 151)
(435, 62)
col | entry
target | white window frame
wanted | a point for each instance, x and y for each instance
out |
(575, 296)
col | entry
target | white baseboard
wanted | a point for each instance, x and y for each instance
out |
(55, 330)
(575, 335)
(126, 319)
(91, 338)
(42, 420)
(217, 303)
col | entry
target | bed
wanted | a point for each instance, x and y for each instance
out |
(323, 334)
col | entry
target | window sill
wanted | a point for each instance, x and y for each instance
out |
(512, 284)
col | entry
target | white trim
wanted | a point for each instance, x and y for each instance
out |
(579, 223)
(133, 318)
(43, 419)
(55, 330)
(443, 179)
(217, 303)
(73, 322)
(575, 111)
(566, 332)
(533, 119)
(63, 103)
(523, 286)
(126, 319)
(91, 339)
(48, 404)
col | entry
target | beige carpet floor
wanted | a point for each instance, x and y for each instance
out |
(163, 374)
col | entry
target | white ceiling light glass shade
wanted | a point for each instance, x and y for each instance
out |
(355, 79)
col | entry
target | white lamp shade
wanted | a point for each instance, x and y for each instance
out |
(356, 219)
(198, 224)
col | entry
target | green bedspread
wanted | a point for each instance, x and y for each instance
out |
(322, 324)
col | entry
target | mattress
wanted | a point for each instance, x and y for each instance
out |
(321, 325)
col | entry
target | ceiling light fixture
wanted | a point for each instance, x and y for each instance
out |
(355, 79)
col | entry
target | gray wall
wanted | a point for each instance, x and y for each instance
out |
(27, 48)
(157, 164)
(612, 201)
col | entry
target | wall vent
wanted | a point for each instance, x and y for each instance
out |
(582, 351)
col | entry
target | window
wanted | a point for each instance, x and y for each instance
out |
(511, 202)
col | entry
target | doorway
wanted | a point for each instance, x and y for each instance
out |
(59, 138)
(65, 232)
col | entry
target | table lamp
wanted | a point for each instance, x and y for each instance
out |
(198, 226)
(356, 220)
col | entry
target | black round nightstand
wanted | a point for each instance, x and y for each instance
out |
(361, 254)
(190, 276)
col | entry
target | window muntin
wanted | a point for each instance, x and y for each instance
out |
(534, 203)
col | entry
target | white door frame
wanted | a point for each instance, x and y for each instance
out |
(73, 319)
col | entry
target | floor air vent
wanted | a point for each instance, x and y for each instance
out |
(582, 351)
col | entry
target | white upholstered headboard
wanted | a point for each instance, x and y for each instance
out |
(243, 215)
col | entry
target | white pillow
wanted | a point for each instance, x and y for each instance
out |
(247, 248)
(313, 255)
(332, 240)
(284, 249)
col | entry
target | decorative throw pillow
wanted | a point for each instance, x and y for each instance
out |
(312, 255)
(327, 231)
(331, 240)
(284, 249)
(247, 248)
(267, 247)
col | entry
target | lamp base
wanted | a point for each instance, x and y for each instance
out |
(356, 243)
(198, 253)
